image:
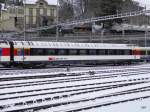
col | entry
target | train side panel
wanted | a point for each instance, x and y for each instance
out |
(71, 58)
(4, 53)
(145, 53)
(40, 52)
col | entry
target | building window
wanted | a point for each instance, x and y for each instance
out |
(27, 11)
(55, 13)
(30, 11)
(27, 19)
(48, 12)
(41, 11)
(34, 20)
(41, 4)
(34, 12)
(52, 12)
(20, 11)
(12, 10)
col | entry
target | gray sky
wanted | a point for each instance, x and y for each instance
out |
(142, 2)
(145, 3)
(52, 1)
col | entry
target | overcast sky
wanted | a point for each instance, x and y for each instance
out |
(142, 2)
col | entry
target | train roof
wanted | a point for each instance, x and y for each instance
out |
(144, 48)
(4, 44)
(38, 44)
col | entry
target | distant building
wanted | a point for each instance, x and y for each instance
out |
(36, 14)
(139, 20)
(134, 25)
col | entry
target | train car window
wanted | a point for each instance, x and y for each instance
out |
(148, 52)
(130, 52)
(36, 51)
(101, 51)
(92, 52)
(106, 52)
(40, 51)
(112, 52)
(117, 52)
(50, 51)
(83, 52)
(143, 52)
(73, 52)
(62, 52)
(126, 52)
(121, 52)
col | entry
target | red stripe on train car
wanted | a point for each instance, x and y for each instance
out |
(137, 52)
(5, 51)
(15, 52)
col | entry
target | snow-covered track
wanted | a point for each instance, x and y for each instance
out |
(62, 78)
(73, 91)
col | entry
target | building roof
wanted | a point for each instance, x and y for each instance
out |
(34, 2)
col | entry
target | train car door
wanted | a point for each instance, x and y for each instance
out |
(0, 54)
(11, 52)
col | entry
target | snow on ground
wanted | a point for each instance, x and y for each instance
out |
(78, 86)
(135, 106)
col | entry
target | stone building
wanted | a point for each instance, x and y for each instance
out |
(35, 15)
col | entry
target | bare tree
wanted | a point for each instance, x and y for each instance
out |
(65, 10)
(79, 9)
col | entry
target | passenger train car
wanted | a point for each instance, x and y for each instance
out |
(31, 53)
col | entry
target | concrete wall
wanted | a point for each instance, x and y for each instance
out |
(7, 25)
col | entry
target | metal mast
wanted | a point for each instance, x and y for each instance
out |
(94, 19)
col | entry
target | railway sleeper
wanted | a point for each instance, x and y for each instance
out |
(63, 103)
(56, 97)
(98, 89)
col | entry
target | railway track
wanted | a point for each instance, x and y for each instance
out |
(54, 81)
(63, 100)
(14, 71)
(69, 79)
(66, 93)
(23, 75)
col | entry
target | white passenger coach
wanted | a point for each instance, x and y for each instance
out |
(35, 52)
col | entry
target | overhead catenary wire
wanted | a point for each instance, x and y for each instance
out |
(91, 20)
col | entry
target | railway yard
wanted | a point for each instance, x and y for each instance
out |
(80, 89)
(74, 56)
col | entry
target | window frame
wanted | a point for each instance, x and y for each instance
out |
(67, 52)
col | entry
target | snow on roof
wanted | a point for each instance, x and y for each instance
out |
(38, 44)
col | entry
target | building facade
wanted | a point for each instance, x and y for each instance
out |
(35, 15)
